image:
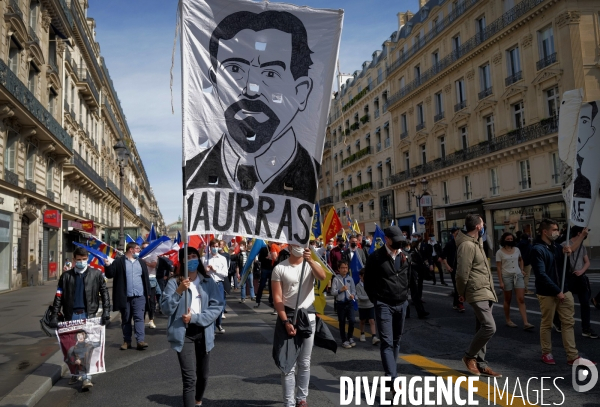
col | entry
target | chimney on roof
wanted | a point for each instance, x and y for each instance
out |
(403, 18)
(422, 3)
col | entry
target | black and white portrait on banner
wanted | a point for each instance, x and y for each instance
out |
(257, 80)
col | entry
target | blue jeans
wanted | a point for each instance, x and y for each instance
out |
(265, 275)
(345, 309)
(250, 283)
(134, 310)
(390, 324)
(222, 291)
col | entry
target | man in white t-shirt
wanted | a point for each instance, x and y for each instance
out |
(285, 282)
(216, 267)
(151, 261)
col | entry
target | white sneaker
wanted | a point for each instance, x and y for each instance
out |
(346, 345)
(242, 300)
(376, 340)
(223, 316)
(352, 343)
(274, 312)
(362, 338)
(151, 324)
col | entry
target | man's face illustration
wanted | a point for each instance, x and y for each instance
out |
(586, 129)
(256, 88)
(80, 337)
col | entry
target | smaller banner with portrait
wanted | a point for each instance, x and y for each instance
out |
(82, 345)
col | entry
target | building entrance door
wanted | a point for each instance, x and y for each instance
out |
(24, 251)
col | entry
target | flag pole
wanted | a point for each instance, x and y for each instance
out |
(294, 319)
(184, 206)
(570, 209)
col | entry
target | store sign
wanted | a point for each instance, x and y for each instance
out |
(460, 212)
(440, 214)
(72, 225)
(87, 225)
(426, 200)
(53, 217)
(52, 268)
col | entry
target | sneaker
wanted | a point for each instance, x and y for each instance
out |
(376, 340)
(362, 338)
(346, 345)
(529, 292)
(220, 329)
(301, 403)
(352, 343)
(570, 362)
(242, 300)
(274, 312)
(151, 325)
(549, 359)
(455, 307)
(589, 334)
(141, 345)
(461, 308)
(556, 328)
(488, 372)
(126, 345)
(74, 380)
(471, 364)
(257, 305)
(527, 327)
(223, 316)
(87, 383)
(253, 299)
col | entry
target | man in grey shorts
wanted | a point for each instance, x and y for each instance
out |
(475, 284)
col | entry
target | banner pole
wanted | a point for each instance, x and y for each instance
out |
(184, 216)
(564, 273)
(294, 319)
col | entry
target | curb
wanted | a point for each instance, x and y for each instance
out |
(40, 381)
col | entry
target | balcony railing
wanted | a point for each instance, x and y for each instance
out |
(14, 5)
(356, 156)
(326, 201)
(357, 189)
(30, 185)
(327, 145)
(519, 136)
(356, 98)
(84, 76)
(115, 190)
(516, 77)
(11, 177)
(403, 135)
(460, 106)
(67, 12)
(354, 126)
(420, 126)
(87, 170)
(83, 33)
(33, 35)
(112, 117)
(496, 26)
(438, 117)
(485, 93)
(14, 85)
(544, 62)
(461, 8)
(50, 195)
(495, 190)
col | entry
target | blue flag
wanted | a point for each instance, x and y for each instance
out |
(256, 246)
(316, 225)
(139, 240)
(355, 267)
(129, 239)
(152, 236)
(178, 238)
(378, 239)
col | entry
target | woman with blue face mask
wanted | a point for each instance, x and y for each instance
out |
(191, 326)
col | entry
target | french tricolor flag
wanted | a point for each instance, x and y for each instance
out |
(58, 292)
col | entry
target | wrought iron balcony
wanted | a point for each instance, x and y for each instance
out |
(326, 201)
(516, 77)
(30, 185)
(438, 117)
(115, 190)
(15, 9)
(512, 138)
(544, 62)
(88, 86)
(11, 177)
(485, 93)
(360, 188)
(108, 109)
(420, 126)
(403, 135)
(33, 35)
(87, 170)
(460, 106)
(81, 25)
(50, 194)
(327, 145)
(14, 85)
(356, 156)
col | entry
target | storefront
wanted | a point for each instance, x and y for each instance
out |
(50, 254)
(451, 216)
(8, 256)
(525, 214)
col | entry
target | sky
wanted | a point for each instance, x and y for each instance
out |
(136, 40)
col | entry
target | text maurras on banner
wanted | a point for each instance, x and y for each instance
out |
(257, 80)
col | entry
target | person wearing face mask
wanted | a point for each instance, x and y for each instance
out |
(242, 259)
(387, 280)
(547, 259)
(436, 252)
(191, 326)
(216, 267)
(355, 250)
(475, 285)
(78, 294)
(131, 293)
(366, 244)
(449, 259)
(509, 265)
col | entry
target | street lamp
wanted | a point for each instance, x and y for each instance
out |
(413, 190)
(122, 159)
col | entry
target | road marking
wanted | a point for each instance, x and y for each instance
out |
(483, 388)
(334, 323)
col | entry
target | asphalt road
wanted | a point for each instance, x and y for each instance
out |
(243, 372)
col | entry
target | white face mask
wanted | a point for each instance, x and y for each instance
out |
(297, 251)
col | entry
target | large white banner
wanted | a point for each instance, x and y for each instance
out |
(257, 82)
(579, 149)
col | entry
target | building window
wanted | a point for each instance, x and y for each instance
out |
(556, 166)
(30, 163)
(50, 175)
(513, 61)
(402, 82)
(467, 185)
(480, 26)
(485, 77)
(404, 123)
(369, 174)
(52, 96)
(435, 58)
(553, 99)
(464, 142)
(442, 147)
(423, 154)
(420, 114)
(406, 161)
(418, 72)
(439, 105)
(489, 127)
(10, 153)
(525, 175)
(494, 187)
(32, 79)
(546, 42)
(456, 44)
(460, 91)
(445, 196)
(13, 55)
(519, 114)
(33, 13)
(508, 4)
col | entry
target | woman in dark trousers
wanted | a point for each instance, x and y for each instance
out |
(191, 327)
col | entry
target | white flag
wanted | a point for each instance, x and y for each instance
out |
(257, 81)
(567, 140)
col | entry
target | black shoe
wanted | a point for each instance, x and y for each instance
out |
(445, 284)
(257, 305)
(596, 303)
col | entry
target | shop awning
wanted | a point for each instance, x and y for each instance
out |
(538, 200)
